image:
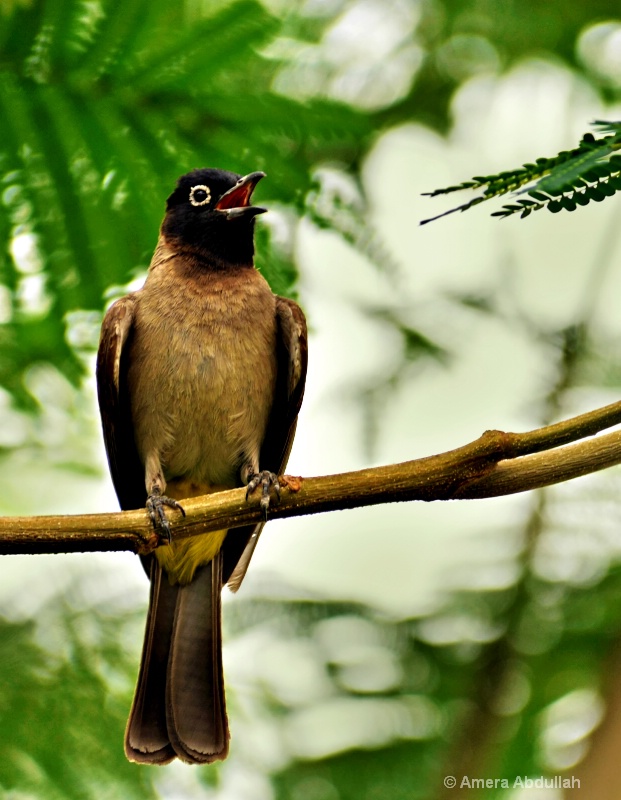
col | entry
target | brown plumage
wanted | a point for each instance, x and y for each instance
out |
(200, 379)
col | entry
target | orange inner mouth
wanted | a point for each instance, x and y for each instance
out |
(238, 197)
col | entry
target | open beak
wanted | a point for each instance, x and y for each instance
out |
(236, 202)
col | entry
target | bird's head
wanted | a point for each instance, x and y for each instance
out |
(210, 214)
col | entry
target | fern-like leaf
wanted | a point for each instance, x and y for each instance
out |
(591, 171)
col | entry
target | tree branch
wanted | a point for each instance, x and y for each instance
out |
(497, 463)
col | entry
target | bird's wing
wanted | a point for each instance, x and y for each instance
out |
(125, 466)
(292, 359)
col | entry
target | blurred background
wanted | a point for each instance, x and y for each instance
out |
(370, 653)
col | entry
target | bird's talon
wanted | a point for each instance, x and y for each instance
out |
(252, 485)
(164, 532)
(266, 480)
(157, 515)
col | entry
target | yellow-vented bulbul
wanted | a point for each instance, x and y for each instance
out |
(200, 379)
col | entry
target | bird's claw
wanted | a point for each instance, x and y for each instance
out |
(157, 515)
(266, 480)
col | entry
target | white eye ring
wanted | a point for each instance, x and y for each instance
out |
(199, 188)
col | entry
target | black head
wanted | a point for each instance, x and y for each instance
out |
(210, 214)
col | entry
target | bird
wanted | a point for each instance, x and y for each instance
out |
(200, 378)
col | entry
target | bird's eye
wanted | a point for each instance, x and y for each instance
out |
(200, 195)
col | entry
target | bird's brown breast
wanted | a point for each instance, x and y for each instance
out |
(202, 368)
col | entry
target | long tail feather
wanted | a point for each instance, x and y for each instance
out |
(195, 703)
(146, 736)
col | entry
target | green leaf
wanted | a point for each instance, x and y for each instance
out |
(593, 161)
(595, 193)
(539, 196)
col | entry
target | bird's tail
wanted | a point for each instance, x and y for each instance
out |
(179, 707)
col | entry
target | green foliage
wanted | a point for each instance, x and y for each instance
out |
(591, 171)
(513, 654)
(61, 724)
(103, 107)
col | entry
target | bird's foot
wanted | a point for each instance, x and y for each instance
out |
(157, 515)
(266, 480)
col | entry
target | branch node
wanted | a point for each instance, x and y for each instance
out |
(147, 543)
(292, 482)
